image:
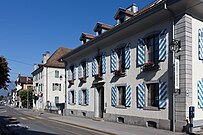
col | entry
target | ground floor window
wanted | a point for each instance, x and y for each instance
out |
(153, 95)
(72, 97)
(84, 97)
(121, 95)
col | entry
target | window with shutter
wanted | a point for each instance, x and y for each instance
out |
(200, 93)
(141, 95)
(200, 43)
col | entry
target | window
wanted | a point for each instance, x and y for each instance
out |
(72, 97)
(152, 53)
(56, 100)
(72, 72)
(121, 95)
(56, 74)
(99, 63)
(153, 95)
(56, 86)
(84, 97)
(121, 59)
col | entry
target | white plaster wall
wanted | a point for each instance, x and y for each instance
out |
(131, 77)
(51, 79)
(197, 66)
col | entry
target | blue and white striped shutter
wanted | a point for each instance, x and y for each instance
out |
(141, 95)
(200, 94)
(140, 52)
(103, 63)
(80, 97)
(113, 60)
(74, 72)
(87, 96)
(113, 96)
(200, 43)
(162, 95)
(162, 45)
(128, 96)
(68, 97)
(79, 71)
(69, 74)
(127, 56)
(94, 66)
(87, 69)
(74, 96)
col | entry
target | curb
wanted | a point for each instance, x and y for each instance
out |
(81, 126)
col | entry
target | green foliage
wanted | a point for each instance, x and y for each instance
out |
(1, 97)
(4, 73)
(24, 94)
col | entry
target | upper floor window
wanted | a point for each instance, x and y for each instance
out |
(99, 65)
(56, 86)
(120, 60)
(83, 71)
(56, 74)
(151, 50)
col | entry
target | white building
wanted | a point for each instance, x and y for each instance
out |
(49, 81)
(125, 74)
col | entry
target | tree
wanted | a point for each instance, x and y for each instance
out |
(23, 96)
(4, 73)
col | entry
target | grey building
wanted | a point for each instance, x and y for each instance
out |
(145, 70)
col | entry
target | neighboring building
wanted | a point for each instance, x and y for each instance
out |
(22, 83)
(49, 81)
(125, 73)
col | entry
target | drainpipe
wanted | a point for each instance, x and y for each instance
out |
(173, 69)
(65, 106)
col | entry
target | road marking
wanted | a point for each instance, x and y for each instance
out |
(22, 118)
(38, 117)
(31, 118)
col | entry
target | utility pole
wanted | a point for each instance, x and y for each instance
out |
(27, 92)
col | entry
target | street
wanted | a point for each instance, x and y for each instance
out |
(20, 122)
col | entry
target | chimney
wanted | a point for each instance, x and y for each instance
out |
(35, 67)
(133, 8)
(44, 58)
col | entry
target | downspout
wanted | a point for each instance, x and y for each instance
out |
(46, 85)
(65, 106)
(173, 69)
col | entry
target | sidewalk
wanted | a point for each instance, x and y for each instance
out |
(106, 127)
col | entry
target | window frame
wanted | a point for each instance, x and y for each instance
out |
(121, 95)
(152, 102)
(84, 96)
(72, 97)
(56, 87)
(99, 65)
(56, 74)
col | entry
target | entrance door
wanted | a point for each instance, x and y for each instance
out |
(99, 102)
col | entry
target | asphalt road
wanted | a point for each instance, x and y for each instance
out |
(20, 123)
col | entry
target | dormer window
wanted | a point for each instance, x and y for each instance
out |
(101, 28)
(85, 37)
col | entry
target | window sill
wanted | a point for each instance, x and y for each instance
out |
(120, 106)
(84, 105)
(151, 108)
(98, 77)
(119, 73)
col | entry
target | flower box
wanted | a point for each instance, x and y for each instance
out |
(82, 79)
(150, 66)
(98, 77)
(119, 73)
(71, 82)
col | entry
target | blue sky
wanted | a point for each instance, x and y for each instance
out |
(28, 28)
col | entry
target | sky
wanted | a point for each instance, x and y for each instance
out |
(29, 28)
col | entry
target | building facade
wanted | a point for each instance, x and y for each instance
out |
(145, 70)
(49, 81)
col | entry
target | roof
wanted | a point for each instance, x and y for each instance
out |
(103, 26)
(86, 36)
(24, 79)
(123, 11)
(139, 15)
(53, 61)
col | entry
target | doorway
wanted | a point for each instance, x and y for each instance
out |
(99, 102)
